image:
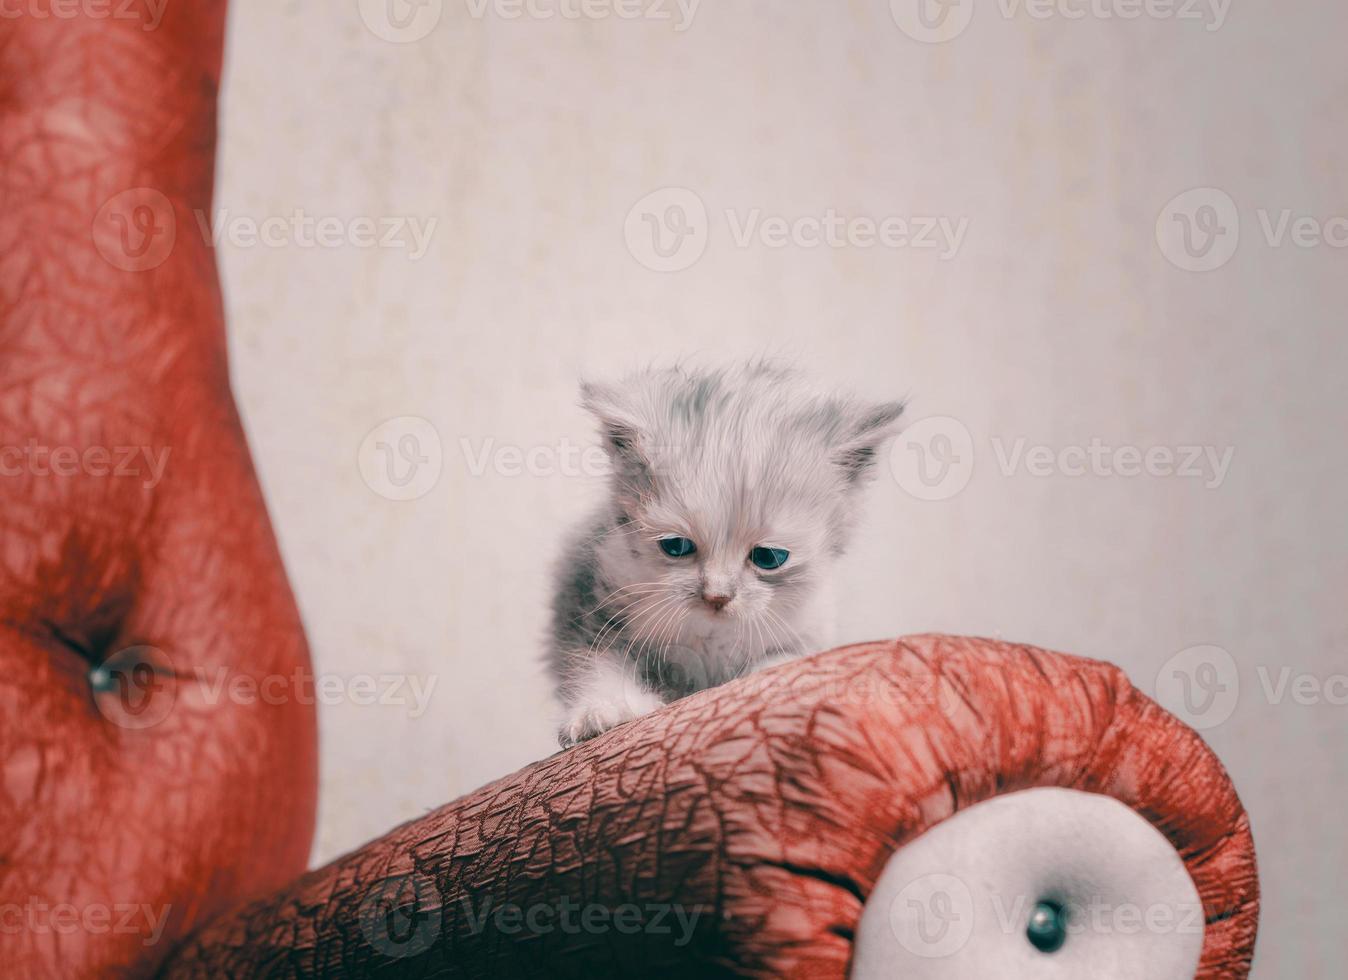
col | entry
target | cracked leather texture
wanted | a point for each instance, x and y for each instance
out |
(141, 790)
(769, 806)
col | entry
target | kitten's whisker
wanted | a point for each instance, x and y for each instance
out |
(632, 617)
(800, 646)
(615, 625)
(742, 640)
(755, 640)
(615, 617)
(670, 629)
(644, 586)
(675, 625)
(629, 587)
(770, 638)
(629, 528)
(667, 629)
(798, 641)
(643, 619)
(638, 648)
(772, 624)
(610, 624)
(671, 608)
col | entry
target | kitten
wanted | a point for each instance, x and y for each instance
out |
(732, 495)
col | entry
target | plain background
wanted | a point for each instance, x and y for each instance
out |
(1058, 321)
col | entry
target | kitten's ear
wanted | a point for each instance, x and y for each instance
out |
(618, 425)
(870, 428)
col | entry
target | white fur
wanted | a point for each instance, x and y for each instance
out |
(731, 460)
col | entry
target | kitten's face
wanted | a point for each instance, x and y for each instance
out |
(739, 490)
(735, 547)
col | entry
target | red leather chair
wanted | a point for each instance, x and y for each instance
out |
(151, 825)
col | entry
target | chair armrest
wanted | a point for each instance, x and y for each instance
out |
(739, 832)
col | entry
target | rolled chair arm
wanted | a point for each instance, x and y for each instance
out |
(740, 831)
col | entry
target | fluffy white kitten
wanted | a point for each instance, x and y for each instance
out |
(732, 497)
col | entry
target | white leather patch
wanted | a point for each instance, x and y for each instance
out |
(956, 902)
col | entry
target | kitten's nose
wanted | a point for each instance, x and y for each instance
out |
(716, 600)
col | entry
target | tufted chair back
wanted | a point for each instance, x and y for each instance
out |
(158, 749)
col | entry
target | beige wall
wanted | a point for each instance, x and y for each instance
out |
(1057, 143)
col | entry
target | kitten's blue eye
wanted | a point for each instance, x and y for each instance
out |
(769, 559)
(677, 547)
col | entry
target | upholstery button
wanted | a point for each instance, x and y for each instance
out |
(102, 680)
(1047, 930)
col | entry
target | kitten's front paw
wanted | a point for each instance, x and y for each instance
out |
(585, 721)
